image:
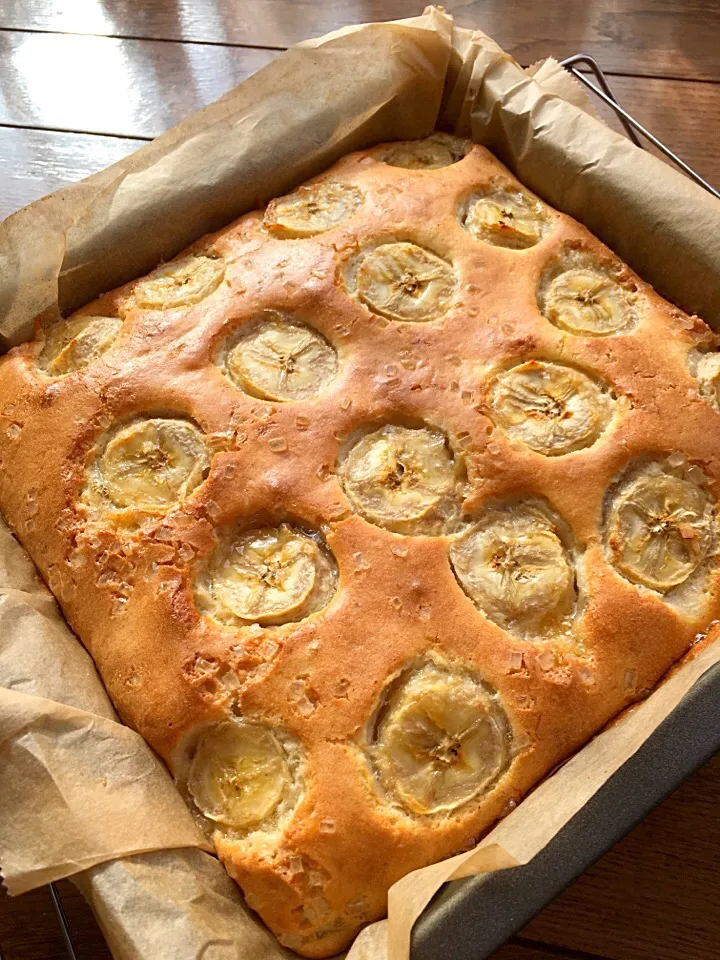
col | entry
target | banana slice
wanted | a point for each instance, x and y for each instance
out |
(506, 218)
(442, 739)
(269, 575)
(312, 209)
(151, 464)
(660, 528)
(398, 477)
(552, 408)
(401, 281)
(179, 283)
(434, 152)
(73, 344)
(239, 774)
(708, 374)
(280, 360)
(587, 302)
(514, 567)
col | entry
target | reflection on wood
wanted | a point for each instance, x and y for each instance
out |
(36, 162)
(668, 38)
(655, 896)
(127, 88)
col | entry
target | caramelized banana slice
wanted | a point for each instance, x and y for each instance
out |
(708, 374)
(280, 360)
(439, 150)
(312, 209)
(73, 344)
(588, 303)
(506, 218)
(401, 281)
(660, 528)
(441, 740)
(269, 575)
(239, 774)
(151, 464)
(179, 283)
(552, 408)
(399, 476)
(514, 567)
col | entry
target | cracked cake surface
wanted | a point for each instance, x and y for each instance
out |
(371, 508)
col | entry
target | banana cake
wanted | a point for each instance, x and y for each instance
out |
(371, 508)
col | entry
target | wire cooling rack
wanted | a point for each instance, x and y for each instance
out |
(62, 920)
(602, 89)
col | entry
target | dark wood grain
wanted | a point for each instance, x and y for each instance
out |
(86, 935)
(653, 37)
(656, 895)
(685, 115)
(29, 930)
(515, 950)
(36, 162)
(144, 87)
(127, 88)
(653, 897)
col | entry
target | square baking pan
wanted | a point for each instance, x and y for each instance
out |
(469, 919)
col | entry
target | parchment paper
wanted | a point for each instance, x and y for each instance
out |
(78, 787)
(313, 103)
(320, 99)
(542, 814)
(654, 218)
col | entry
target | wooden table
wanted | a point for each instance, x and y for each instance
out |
(84, 82)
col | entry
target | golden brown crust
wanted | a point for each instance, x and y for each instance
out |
(128, 593)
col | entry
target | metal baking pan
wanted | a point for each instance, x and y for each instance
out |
(470, 919)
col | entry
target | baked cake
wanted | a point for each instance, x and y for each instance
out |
(371, 508)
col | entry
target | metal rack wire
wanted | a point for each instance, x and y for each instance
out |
(602, 89)
(632, 127)
(62, 920)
